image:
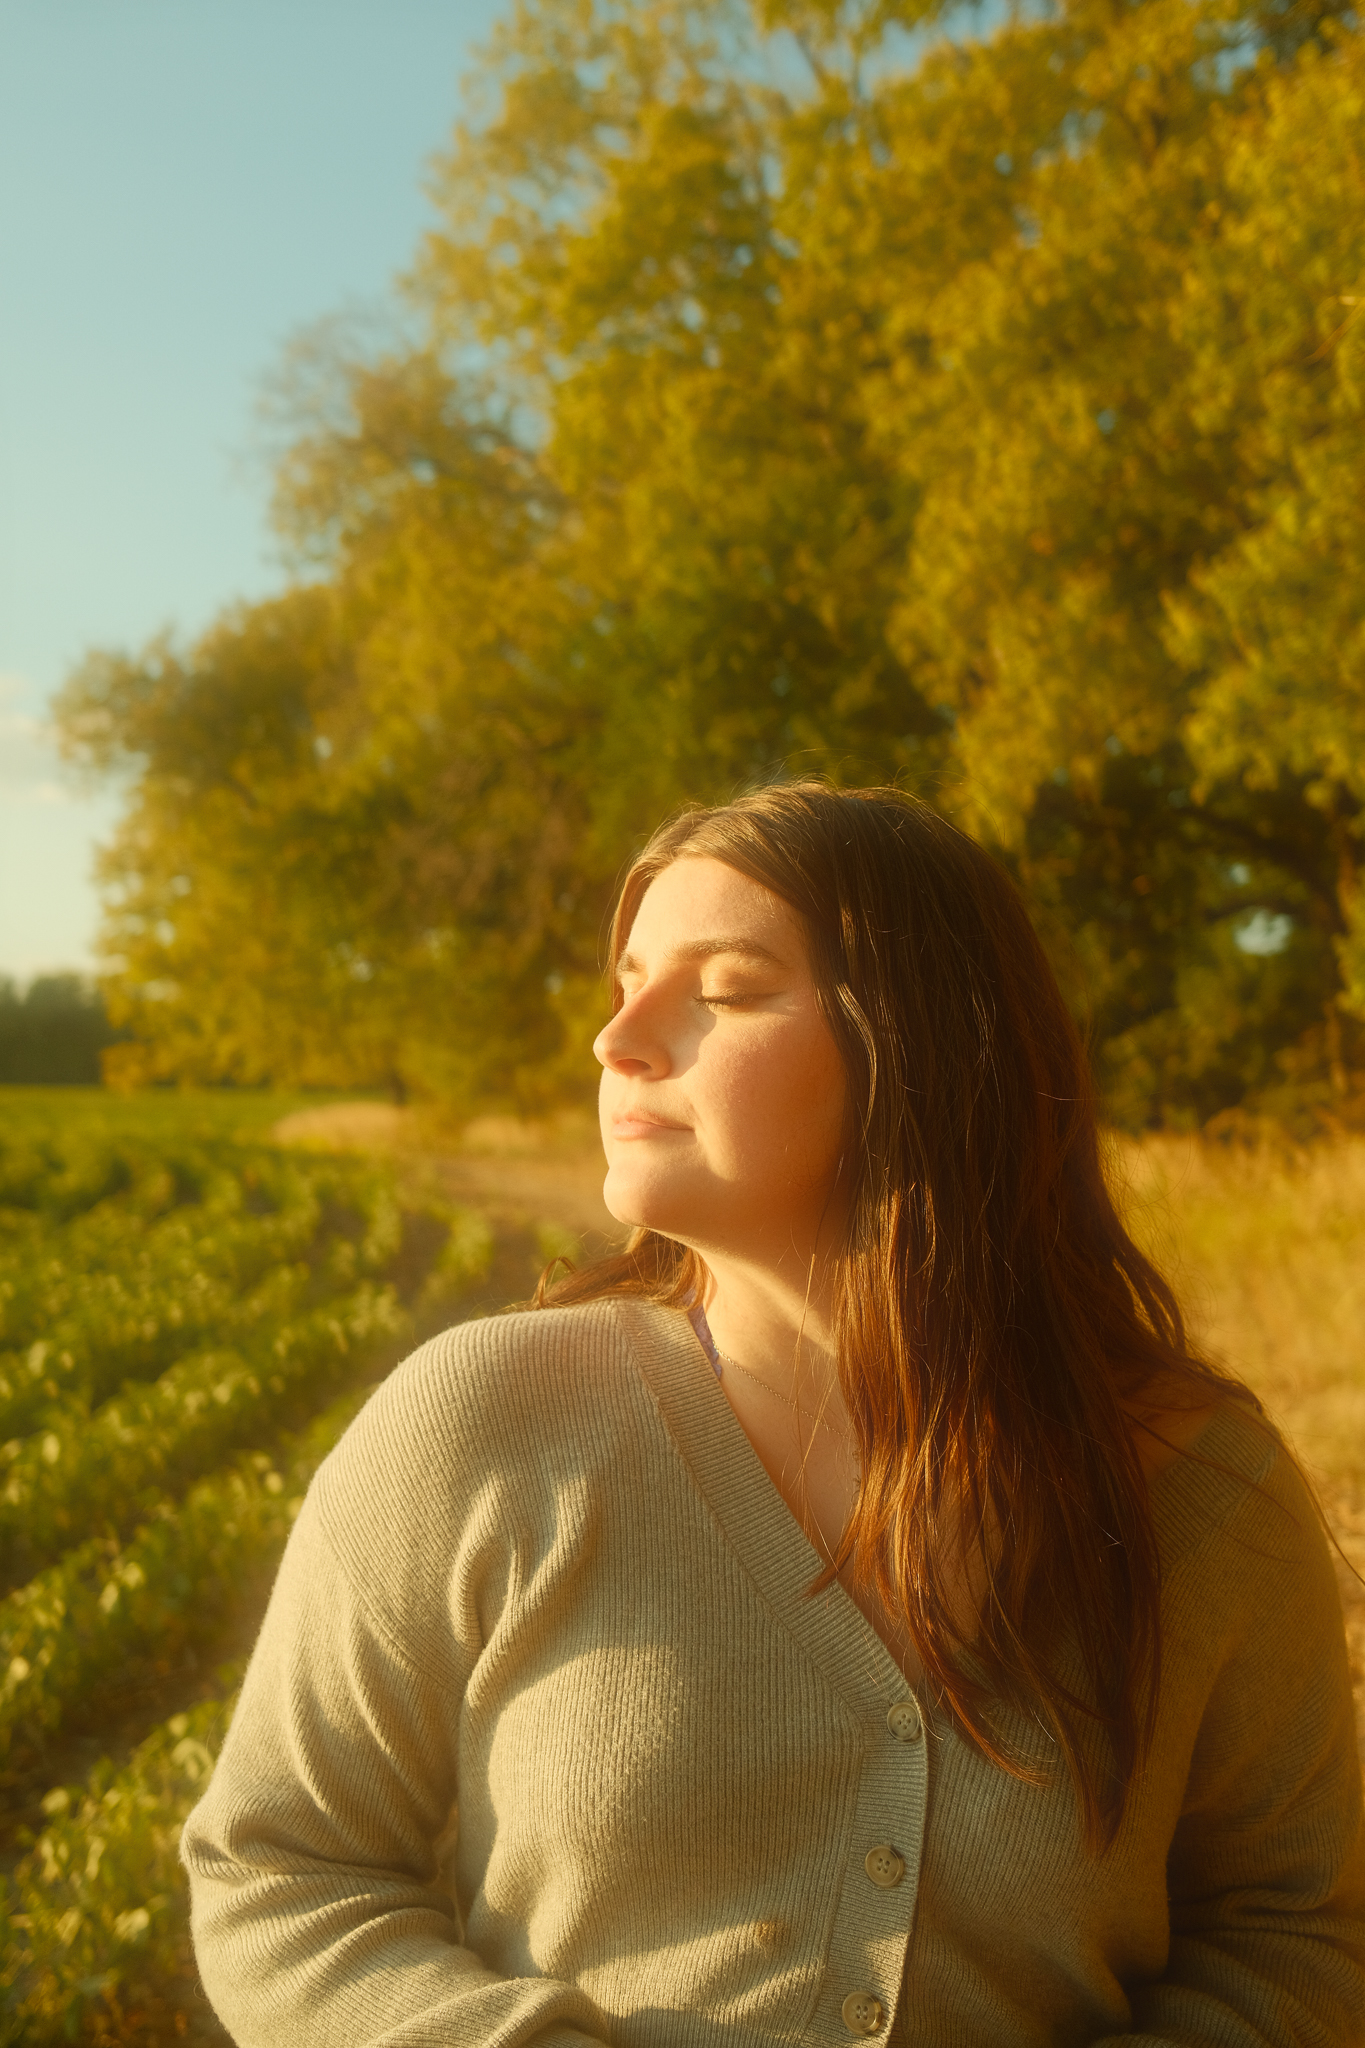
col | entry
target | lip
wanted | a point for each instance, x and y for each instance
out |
(627, 1124)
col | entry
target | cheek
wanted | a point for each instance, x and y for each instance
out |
(783, 1099)
(821, 1096)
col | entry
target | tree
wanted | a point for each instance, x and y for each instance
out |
(783, 404)
(55, 1031)
(1272, 629)
(353, 824)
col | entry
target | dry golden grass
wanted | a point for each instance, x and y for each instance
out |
(1266, 1247)
(1267, 1250)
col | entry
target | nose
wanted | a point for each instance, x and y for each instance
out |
(629, 1044)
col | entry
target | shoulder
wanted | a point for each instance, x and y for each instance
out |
(490, 1406)
(470, 1448)
(1240, 1534)
(534, 1364)
(508, 1402)
(495, 1387)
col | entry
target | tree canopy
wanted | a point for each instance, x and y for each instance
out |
(790, 387)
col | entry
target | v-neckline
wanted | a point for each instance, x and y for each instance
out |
(758, 1526)
(697, 1317)
(1195, 1449)
(1189, 1497)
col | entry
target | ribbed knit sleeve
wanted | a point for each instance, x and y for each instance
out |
(1266, 1870)
(318, 1913)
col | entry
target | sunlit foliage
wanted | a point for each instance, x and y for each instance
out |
(855, 388)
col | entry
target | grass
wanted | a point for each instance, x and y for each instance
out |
(1265, 1243)
(169, 1113)
(1266, 1247)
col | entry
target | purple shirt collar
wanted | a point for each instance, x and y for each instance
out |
(696, 1315)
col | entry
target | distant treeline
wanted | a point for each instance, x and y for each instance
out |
(54, 1031)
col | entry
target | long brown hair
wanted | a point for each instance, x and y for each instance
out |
(993, 1319)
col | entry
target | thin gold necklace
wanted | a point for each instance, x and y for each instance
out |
(816, 1421)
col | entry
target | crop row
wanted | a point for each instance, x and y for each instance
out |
(161, 1306)
(220, 1178)
(60, 1173)
(95, 1915)
(60, 1169)
(50, 1387)
(80, 1326)
(123, 1287)
(81, 1474)
(107, 1609)
(94, 1918)
(110, 1613)
(181, 1198)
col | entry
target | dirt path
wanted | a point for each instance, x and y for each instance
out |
(523, 1175)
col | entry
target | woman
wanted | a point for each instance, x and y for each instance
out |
(851, 1611)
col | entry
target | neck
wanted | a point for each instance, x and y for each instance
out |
(778, 1321)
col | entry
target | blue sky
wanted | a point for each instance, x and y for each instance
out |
(183, 185)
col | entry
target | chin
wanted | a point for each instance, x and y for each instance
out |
(627, 1201)
(633, 1201)
(623, 1211)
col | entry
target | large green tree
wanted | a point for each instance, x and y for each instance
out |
(802, 387)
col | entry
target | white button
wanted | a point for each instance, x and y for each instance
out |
(904, 1721)
(862, 2012)
(884, 1866)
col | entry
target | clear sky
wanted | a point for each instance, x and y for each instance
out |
(183, 184)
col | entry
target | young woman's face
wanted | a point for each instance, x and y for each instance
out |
(722, 1096)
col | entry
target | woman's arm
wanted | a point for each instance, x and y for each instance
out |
(316, 1911)
(1266, 1873)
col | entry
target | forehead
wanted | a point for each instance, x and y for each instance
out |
(698, 904)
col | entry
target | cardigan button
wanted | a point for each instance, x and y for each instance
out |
(904, 1721)
(862, 2012)
(884, 1866)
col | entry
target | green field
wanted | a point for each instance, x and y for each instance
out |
(189, 1317)
(190, 1313)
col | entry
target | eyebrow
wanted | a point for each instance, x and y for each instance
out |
(707, 949)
